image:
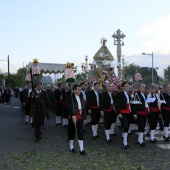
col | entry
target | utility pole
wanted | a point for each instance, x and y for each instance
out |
(118, 36)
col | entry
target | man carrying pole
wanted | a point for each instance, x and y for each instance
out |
(77, 118)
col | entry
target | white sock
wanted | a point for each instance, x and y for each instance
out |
(140, 137)
(26, 118)
(152, 135)
(93, 129)
(107, 132)
(31, 119)
(96, 128)
(71, 144)
(81, 145)
(112, 128)
(59, 119)
(56, 119)
(166, 132)
(64, 121)
(125, 138)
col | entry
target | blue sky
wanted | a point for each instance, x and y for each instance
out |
(65, 31)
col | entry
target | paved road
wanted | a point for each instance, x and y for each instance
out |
(17, 150)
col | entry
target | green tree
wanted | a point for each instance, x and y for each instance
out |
(167, 73)
(145, 72)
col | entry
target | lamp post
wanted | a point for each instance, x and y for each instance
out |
(152, 64)
(84, 67)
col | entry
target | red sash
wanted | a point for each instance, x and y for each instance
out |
(154, 109)
(166, 108)
(126, 111)
(110, 108)
(145, 112)
(94, 107)
(78, 115)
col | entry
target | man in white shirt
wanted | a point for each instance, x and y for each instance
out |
(93, 104)
(77, 118)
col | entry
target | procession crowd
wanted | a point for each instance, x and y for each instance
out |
(135, 108)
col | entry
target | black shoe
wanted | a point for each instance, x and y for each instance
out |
(108, 141)
(64, 126)
(126, 146)
(26, 123)
(73, 150)
(166, 138)
(148, 134)
(141, 144)
(154, 140)
(94, 137)
(83, 152)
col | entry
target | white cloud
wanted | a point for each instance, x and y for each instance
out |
(152, 37)
(157, 36)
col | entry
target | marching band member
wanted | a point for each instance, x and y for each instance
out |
(77, 117)
(154, 111)
(58, 103)
(123, 110)
(108, 100)
(141, 113)
(165, 108)
(93, 104)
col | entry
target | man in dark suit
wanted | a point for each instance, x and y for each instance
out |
(108, 101)
(141, 112)
(94, 108)
(123, 110)
(84, 95)
(77, 118)
(40, 106)
(58, 103)
(154, 111)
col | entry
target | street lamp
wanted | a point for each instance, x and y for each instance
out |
(152, 64)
